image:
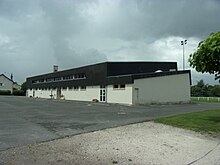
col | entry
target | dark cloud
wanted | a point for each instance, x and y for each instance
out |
(35, 34)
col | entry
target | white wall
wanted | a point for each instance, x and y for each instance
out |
(91, 92)
(6, 84)
(42, 93)
(122, 96)
(164, 89)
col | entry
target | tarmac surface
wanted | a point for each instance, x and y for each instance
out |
(28, 120)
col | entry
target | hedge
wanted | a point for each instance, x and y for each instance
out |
(5, 92)
(18, 93)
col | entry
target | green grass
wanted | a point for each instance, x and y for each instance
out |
(205, 99)
(204, 122)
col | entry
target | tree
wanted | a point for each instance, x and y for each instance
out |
(23, 87)
(199, 90)
(207, 56)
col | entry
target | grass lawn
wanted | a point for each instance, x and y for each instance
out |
(205, 122)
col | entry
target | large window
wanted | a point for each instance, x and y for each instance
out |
(69, 77)
(119, 86)
(76, 88)
(64, 88)
(57, 78)
(83, 88)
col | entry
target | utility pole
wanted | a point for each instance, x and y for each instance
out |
(184, 43)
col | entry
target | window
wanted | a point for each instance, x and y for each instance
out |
(69, 77)
(1, 84)
(57, 78)
(76, 88)
(70, 88)
(80, 76)
(42, 80)
(34, 81)
(83, 88)
(122, 86)
(64, 88)
(117, 86)
(49, 80)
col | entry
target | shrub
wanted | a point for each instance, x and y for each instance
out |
(18, 93)
(5, 92)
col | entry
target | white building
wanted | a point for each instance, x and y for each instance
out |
(115, 82)
(6, 83)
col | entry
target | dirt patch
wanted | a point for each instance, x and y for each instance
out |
(143, 143)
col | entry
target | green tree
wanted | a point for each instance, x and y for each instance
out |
(216, 91)
(207, 56)
(23, 87)
(200, 90)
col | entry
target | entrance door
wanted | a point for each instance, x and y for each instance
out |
(102, 93)
(58, 93)
(136, 95)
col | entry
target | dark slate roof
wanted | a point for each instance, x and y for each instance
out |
(6, 77)
(131, 77)
(106, 73)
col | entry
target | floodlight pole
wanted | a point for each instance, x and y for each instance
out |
(184, 43)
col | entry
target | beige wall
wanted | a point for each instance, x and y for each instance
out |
(6, 84)
(122, 96)
(164, 89)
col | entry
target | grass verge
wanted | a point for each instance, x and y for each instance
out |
(204, 122)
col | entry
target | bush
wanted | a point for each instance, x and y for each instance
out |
(18, 93)
(5, 92)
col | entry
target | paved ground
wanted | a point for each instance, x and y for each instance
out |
(144, 143)
(27, 120)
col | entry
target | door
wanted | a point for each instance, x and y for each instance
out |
(58, 93)
(136, 95)
(102, 93)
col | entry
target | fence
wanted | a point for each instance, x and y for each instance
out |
(206, 99)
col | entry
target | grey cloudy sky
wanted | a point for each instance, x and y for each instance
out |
(35, 34)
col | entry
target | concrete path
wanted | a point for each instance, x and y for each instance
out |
(28, 121)
(143, 143)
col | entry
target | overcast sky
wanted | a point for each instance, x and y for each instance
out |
(35, 34)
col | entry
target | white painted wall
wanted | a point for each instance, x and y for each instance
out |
(164, 89)
(42, 93)
(122, 96)
(91, 92)
(6, 84)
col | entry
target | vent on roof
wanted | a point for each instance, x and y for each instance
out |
(55, 68)
(158, 71)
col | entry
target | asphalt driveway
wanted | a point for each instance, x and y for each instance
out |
(28, 120)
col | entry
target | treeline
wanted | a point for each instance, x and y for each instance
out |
(205, 90)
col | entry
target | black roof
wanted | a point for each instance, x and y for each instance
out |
(105, 73)
(7, 78)
(130, 78)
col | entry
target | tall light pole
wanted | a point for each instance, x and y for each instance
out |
(183, 43)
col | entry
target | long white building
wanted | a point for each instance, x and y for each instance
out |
(115, 82)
